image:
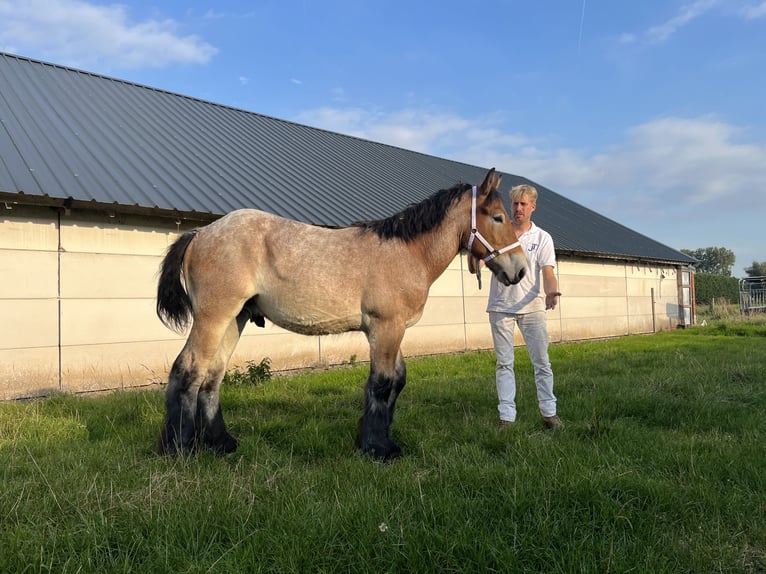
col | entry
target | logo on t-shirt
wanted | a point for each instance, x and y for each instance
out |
(532, 246)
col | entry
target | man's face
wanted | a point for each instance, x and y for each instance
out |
(521, 210)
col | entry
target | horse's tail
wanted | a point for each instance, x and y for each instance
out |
(174, 306)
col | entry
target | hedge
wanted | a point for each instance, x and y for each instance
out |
(708, 287)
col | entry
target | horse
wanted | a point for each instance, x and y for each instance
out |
(371, 276)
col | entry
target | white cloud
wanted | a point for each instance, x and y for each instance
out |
(626, 38)
(677, 163)
(699, 163)
(77, 33)
(685, 15)
(754, 11)
(443, 134)
(701, 159)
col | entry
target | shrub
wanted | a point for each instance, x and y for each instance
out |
(253, 373)
(708, 287)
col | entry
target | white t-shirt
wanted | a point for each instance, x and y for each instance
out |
(527, 295)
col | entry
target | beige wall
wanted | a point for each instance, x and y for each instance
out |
(77, 307)
(606, 299)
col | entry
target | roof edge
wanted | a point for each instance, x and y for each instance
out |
(111, 209)
(625, 258)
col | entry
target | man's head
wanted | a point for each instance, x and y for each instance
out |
(523, 203)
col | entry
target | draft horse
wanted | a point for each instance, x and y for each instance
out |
(372, 276)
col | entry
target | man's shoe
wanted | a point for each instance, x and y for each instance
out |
(553, 423)
(504, 425)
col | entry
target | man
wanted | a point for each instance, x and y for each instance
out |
(524, 305)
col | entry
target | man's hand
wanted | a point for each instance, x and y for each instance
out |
(550, 300)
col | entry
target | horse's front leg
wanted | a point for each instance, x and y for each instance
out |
(386, 380)
(400, 379)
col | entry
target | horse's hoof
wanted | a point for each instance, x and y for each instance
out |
(226, 444)
(173, 447)
(393, 453)
(222, 444)
(384, 453)
(164, 448)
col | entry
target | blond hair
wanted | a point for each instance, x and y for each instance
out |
(520, 191)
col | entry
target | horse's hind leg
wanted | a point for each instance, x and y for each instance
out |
(197, 364)
(178, 431)
(211, 429)
(386, 380)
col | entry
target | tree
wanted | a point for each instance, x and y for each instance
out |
(713, 260)
(756, 269)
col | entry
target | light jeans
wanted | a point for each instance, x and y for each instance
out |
(534, 329)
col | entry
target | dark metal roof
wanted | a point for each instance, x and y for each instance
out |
(89, 140)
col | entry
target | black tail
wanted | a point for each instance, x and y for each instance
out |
(173, 303)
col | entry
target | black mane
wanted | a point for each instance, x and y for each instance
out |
(417, 218)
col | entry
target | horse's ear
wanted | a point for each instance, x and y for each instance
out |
(491, 181)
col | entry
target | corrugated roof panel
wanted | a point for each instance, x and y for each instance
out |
(67, 133)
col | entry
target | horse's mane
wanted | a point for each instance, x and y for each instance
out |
(417, 218)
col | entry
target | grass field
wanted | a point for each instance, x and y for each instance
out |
(661, 468)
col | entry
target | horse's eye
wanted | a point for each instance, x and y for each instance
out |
(499, 218)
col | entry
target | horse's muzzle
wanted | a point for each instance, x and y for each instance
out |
(507, 280)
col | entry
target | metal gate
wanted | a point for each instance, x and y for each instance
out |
(752, 294)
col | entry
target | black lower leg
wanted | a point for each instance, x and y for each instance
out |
(399, 381)
(211, 428)
(179, 430)
(375, 424)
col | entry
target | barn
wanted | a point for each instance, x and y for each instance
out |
(98, 176)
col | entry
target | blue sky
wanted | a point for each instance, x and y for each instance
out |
(652, 113)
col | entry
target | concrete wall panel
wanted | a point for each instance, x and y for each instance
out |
(28, 372)
(127, 235)
(592, 307)
(592, 286)
(285, 350)
(28, 229)
(110, 321)
(102, 276)
(442, 311)
(343, 347)
(116, 366)
(28, 324)
(448, 284)
(28, 274)
(576, 329)
(431, 339)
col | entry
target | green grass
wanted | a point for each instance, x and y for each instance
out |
(660, 468)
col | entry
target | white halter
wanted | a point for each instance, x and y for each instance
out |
(476, 235)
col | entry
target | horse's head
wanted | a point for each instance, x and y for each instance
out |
(492, 238)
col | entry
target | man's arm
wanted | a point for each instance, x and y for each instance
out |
(551, 287)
